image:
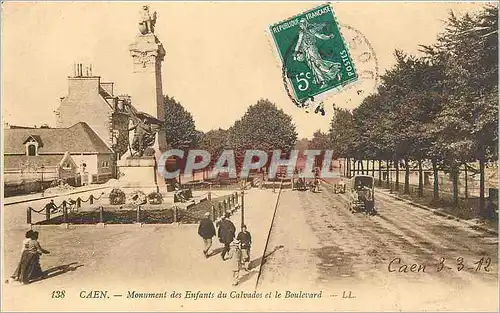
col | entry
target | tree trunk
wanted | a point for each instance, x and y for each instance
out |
(344, 169)
(379, 173)
(481, 185)
(466, 182)
(436, 179)
(348, 167)
(387, 176)
(454, 179)
(396, 164)
(407, 177)
(420, 179)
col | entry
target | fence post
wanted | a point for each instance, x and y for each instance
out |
(224, 203)
(47, 213)
(65, 211)
(138, 214)
(214, 217)
(220, 208)
(209, 197)
(236, 197)
(100, 214)
(91, 198)
(78, 202)
(175, 214)
(28, 216)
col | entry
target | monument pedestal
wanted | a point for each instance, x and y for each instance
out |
(138, 173)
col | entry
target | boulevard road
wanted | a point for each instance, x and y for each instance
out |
(326, 247)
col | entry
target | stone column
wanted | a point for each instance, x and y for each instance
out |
(147, 91)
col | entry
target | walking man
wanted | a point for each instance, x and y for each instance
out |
(245, 240)
(206, 230)
(226, 233)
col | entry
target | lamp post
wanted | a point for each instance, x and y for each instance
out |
(243, 187)
(41, 184)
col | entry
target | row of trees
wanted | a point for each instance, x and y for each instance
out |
(263, 127)
(440, 107)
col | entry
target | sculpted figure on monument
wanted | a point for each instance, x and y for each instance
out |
(147, 20)
(145, 128)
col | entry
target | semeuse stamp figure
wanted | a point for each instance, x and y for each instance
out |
(313, 53)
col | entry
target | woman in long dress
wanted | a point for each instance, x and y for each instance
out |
(306, 50)
(29, 266)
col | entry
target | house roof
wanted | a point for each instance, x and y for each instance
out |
(79, 138)
(104, 93)
(35, 162)
(35, 138)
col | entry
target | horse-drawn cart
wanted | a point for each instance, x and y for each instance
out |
(361, 194)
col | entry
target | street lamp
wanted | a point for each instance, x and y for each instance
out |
(243, 187)
(41, 184)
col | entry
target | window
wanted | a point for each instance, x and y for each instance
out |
(105, 164)
(31, 150)
(67, 165)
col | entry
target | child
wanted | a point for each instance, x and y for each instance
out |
(235, 256)
(246, 241)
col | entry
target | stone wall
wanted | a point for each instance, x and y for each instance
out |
(85, 104)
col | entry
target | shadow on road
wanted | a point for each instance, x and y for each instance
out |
(247, 276)
(58, 270)
(215, 252)
(255, 263)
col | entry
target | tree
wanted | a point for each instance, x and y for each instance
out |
(467, 127)
(179, 126)
(180, 131)
(302, 144)
(320, 141)
(263, 127)
(214, 142)
(342, 134)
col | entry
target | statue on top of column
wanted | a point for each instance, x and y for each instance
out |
(147, 20)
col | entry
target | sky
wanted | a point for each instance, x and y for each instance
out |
(219, 58)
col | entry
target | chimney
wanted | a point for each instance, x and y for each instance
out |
(82, 70)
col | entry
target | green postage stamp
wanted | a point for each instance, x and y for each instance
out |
(313, 53)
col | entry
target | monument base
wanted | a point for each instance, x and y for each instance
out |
(137, 174)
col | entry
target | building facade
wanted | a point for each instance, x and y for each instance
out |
(75, 154)
(92, 101)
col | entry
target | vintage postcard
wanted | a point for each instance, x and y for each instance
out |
(249, 156)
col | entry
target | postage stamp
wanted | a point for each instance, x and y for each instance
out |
(314, 56)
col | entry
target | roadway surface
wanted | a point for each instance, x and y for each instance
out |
(315, 244)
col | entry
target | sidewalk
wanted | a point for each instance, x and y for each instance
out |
(434, 211)
(440, 212)
(149, 258)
